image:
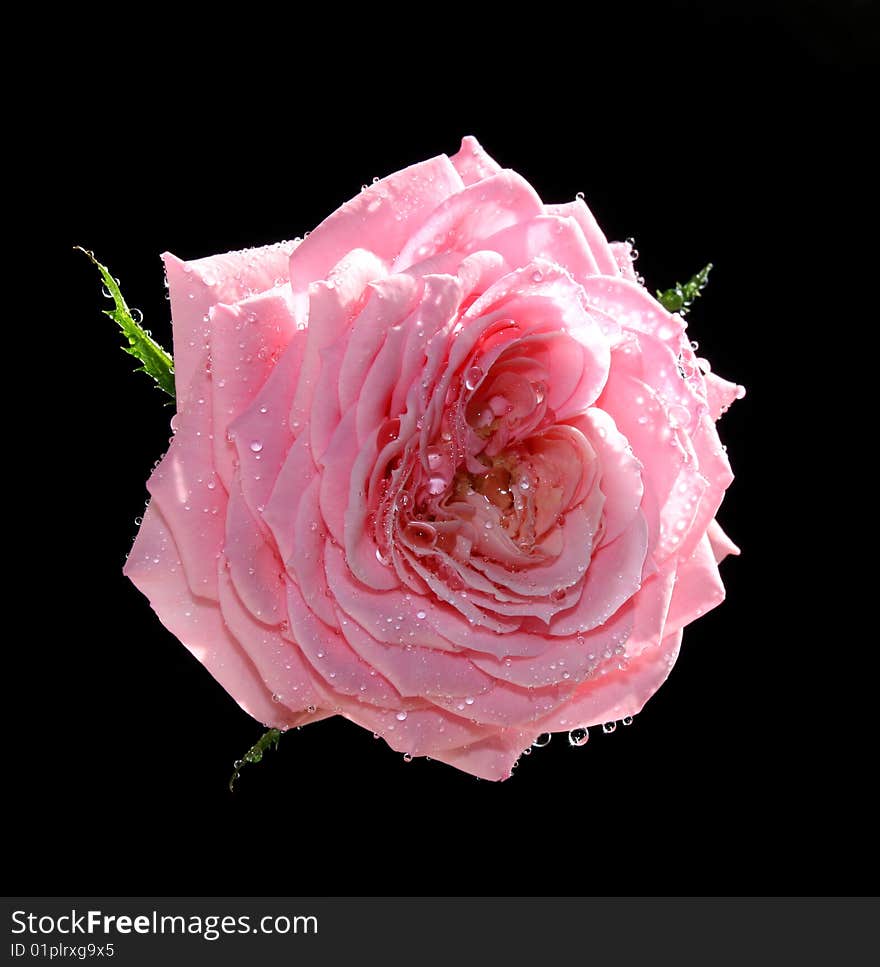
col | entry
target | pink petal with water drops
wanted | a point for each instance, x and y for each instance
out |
(619, 471)
(263, 430)
(623, 255)
(614, 576)
(194, 287)
(593, 235)
(292, 482)
(188, 492)
(154, 567)
(288, 678)
(472, 163)
(331, 310)
(342, 671)
(306, 560)
(254, 567)
(246, 341)
(564, 659)
(464, 220)
(619, 693)
(413, 669)
(720, 394)
(382, 218)
(549, 237)
(415, 729)
(491, 758)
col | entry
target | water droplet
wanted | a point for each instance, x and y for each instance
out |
(609, 727)
(436, 485)
(380, 557)
(469, 700)
(435, 457)
(580, 196)
(401, 716)
(524, 484)
(626, 720)
(256, 445)
(542, 740)
(407, 757)
(537, 275)
(264, 409)
(473, 377)
(311, 709)
(421, 615)
(578, 737)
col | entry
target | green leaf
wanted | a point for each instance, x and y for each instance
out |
(266, 741)
(681, 297)
(154, 360)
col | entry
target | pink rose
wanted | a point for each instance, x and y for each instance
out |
(444, 468)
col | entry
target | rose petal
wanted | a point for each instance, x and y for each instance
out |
(154, 567)
(280, 663)
(194, 287)
(472, 163)
(464, 219)
(617, 694)
(188, 492)
(698, 587)
(382, 218)
(246, 341)
(595, 239)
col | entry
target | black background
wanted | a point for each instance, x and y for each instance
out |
(707, 133)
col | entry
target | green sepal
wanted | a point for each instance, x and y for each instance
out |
(681, 297)
(154, 360)
(267, 740)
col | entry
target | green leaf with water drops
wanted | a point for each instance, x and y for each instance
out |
(681, 297)
(267, 740)
(154, 360)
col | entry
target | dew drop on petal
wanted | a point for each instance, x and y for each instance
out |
(256, 445)
(473, 377)
(609, 727)
(401, 716)
(542, 740)
(578, 737)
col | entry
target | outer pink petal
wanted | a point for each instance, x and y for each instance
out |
(622, 252)
(490, 758)
(382, 218)
(194, 287)
(154, 568)
(720, 394)
(246, 342)
(722, 545)
(698, 587)
(187, 491)
(472, 163)
(596, 240)
(617, 694)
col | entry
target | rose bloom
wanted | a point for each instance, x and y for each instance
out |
(444, 468)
